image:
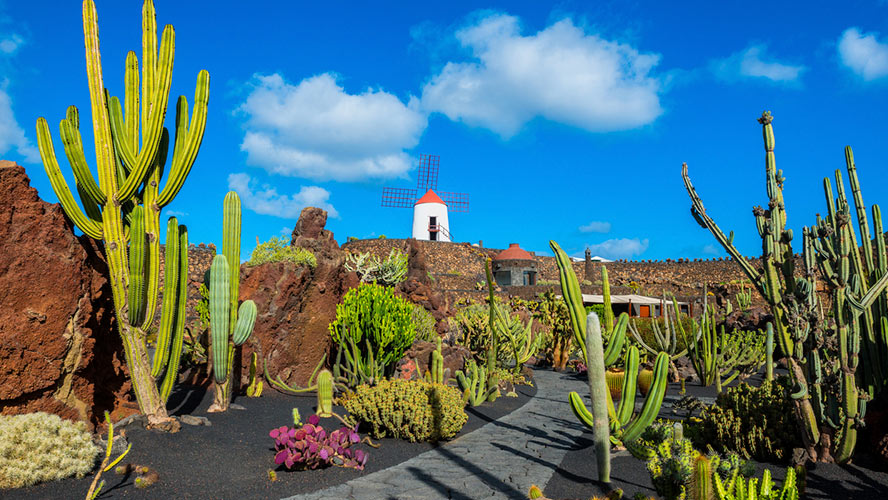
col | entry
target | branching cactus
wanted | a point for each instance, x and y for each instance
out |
(230, 326)
(829, 393)
(665, 340)
(625, 425)
(123, 208)
(719, 357)
(475, 384)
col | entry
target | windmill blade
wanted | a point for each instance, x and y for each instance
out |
(456, 202)
(427, 175)
(398, 197)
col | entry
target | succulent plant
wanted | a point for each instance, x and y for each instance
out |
(311, 447)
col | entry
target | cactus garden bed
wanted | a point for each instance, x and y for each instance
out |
(231, 458)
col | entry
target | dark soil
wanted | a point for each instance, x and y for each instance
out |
(231, 458)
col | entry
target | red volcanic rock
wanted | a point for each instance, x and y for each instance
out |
(59, 347)
(295, 304)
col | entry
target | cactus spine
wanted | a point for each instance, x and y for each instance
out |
(625, 425)
(325, 393)
(230, 326)
(124, 205)
(828, 415)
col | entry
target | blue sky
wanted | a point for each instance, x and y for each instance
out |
(564, 120)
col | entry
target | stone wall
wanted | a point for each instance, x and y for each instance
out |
(458, 267)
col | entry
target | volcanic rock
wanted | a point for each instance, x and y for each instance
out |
(59, 348)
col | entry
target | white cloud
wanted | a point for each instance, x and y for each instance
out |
(864, 54)
(754, 62)
(11, 134)
(265, 200)
(620, 248)
(561, 73)
(711, 249)
(11, 43)
(318, 131)
(176, 213)
(286, 231)
(596, 227)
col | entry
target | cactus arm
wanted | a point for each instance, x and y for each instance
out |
(182, 162)
(630, 378)
(168, 314)
(652, 402)
(606, 295)
(89, 226)
(231, 233)
(69, 129)
(246, 319)
(699, 213)
(617, 337)
(152, 227)
(131, 102)
(136, 292)
(172, 364)
(570, 290)
(219, 311)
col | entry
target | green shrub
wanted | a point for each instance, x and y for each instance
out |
(756, 422)
(389, 271)
(425, 324)
(373, 317)
(414, 410)
(38, 447)
(277, 249)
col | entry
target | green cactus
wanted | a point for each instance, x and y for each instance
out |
(325, 394)
(436, 373)
(625, 425)
(736, 487)
(493, 381)
(230, 326)
(665, 340)
(744, 298)
(719, 357)
(769, 353)
(598, 392)
(828, 413)
(123, 208)
(475, 384)
(701, 482)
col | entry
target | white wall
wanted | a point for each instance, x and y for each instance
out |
(421, 214)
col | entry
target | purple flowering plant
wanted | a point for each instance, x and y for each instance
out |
(310, 446)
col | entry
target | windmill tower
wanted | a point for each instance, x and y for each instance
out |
(430, 211)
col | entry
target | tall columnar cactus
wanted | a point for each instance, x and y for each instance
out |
(830, 393)
(492, 380)
(625, 425)
(123, 208)
(701, 481)
(229, 326)
(769, 353)
(599, 394)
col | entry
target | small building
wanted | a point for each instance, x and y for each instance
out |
(430, 221)
(637, 306)
(514, 267)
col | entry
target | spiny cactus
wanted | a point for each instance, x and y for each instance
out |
(625, 425)
(701, 481)
(123, 208)
(254, 389)
(769, 353)
(736, 487)
(230, 326)
(598, 391)
(475, 384)
(829, 394)
(325, 394)
(436, 373)
(744, 298)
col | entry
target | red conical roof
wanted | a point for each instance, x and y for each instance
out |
(513, 252)
(430, 197)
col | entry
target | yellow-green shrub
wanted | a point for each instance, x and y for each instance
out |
(414, 410)
(38, 447)
(279, 250)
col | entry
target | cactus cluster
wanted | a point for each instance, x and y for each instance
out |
(475, 384)
(230, 326)
(719, 357)
(371, 269)
(755, 422)
(123, 208)
(680, 472)
(835, 367)
(625, 424)
(407, 409)
(665, 340)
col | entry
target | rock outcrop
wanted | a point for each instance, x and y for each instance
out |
(296, 304)
(59, 347)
